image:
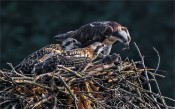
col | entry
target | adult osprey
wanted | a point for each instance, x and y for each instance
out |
(27, 65)
(108, 32)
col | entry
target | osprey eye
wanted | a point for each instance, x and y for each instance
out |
(124, 29)
(124, 41)
(68, 43)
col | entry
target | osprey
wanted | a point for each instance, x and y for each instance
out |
(44, 53)
(108, 32)
(78, 58)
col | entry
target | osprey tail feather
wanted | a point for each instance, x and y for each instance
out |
(62, 37)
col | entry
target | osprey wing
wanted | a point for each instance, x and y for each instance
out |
(89, 33)
(62, 37)
(51, 63)
(93, 32)
(28, 63)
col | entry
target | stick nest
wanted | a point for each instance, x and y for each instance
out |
(106, 84)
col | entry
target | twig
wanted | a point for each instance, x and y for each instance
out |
(143, 64)
(69, 90)
(14, 71)
(155, 74)
(169, 98)
(99, 68)
(22, 78)
(162, 100)
(153, 100)
(45, 74)
(87, 66)
(75, 73)
(158, 63)
(42, 101)
(14, 106)
(31, 82)
(5, 102)
(146, 74)
(55, 102)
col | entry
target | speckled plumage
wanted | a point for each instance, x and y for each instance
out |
(50, 64)
(78, 58)
(28, 63)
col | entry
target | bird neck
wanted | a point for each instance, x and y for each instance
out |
(110, 40)
(89, 52)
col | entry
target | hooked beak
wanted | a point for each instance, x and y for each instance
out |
(126, 46)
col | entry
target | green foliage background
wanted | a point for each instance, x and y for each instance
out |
(28, 26)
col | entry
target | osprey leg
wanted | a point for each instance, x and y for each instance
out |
(107, 50)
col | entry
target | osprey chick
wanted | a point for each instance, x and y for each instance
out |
(44, 53)
(108, 32)
(78, 58)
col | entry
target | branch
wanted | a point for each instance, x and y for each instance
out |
(143, 64)
(69, 90)
(158, 63)
(75, 73)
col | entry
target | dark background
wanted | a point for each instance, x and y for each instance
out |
(28, 26)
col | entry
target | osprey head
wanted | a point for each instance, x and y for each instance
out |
(70, 43)
(122, 35)
(98, 47)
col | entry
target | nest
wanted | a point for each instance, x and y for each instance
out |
(106, 84)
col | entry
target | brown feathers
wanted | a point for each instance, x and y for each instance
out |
(44, 53)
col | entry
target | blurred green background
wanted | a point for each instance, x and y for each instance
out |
(28, 26)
